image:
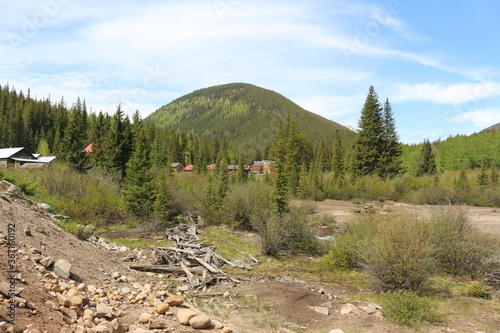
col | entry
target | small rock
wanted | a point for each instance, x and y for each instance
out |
(30, 328)
(116, 275)
(184, 315)
(157, 323)
(126, 291)
(3, 326)
(46, 262)
(104, 327)
(88, 314)
(141, 297)
(162, 308)
(321, 309)
(123, 249)
(144, 318)
(102, 310)
(62, 268)
(375, 306)
(349, 308)
(227, 329)
(51, 304)
(367, 309)
(175, 300)
(153, 301)
(123, 278)
(27, 231)
(336, 331)
(217, 324)
(200, 322)
(45, 207)
(117, 326)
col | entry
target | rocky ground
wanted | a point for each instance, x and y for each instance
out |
(63, 284)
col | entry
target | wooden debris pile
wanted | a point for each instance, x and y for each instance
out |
(196, 263)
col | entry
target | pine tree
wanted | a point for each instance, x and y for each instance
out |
(303, 182)
(369, 144)
(138, 191)
(241, 174)
(118, 145)
(427, 162)
(390, 161)
(338, 167)
(70, 150)
(482, 178)
(162, 205)
(494, 175)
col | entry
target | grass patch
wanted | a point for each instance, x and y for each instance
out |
(408, 308)
(228, 242)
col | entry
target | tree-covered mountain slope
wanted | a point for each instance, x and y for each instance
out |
(243, 115)
(459, 152)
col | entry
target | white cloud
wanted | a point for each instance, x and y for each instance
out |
(481, 118)
(447, 93)
(337, 108)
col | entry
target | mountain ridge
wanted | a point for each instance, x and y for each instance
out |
(245, 116)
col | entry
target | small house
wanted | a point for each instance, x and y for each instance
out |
(262, 167)
(20, 157)
(189, 168)
(176, 167)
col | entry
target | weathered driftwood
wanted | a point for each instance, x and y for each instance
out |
(191, 261)
(165, 269)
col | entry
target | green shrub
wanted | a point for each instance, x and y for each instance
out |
(286, 232)
(407, 308)
(79, 230)
(459, 248)
(399, 255)
(341, 254)
(345, 248)
(478, 289)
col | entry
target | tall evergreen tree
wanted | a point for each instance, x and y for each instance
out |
(369, 144)
(390, 161)
(494, 175)
(427, 162)
(138, 190)
(118, 145)
(338, 167)
(73, 142)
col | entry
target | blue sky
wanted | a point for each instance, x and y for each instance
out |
(436, 61)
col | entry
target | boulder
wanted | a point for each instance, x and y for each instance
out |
(62, 268)
(27, 231)
(227, 329)
(185, 315)
(200, 322)
(175, 300)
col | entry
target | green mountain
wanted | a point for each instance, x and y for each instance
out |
(243, 115)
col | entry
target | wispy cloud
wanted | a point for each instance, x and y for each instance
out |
(481, 118)
(446, 93)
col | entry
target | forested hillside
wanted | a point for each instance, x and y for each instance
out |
(245, 116)
(459, 152)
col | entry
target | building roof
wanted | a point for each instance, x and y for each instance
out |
(174, 165)
(46, 159)
(189, 167)
(8, 152)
